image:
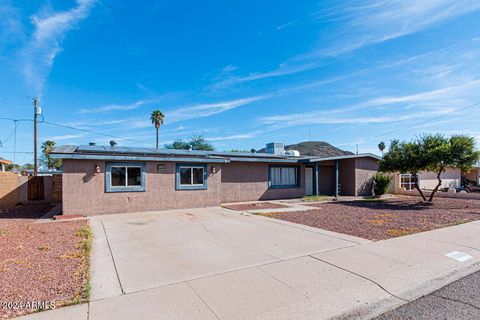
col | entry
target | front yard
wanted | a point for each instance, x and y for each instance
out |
(42, 265)
(383, 219)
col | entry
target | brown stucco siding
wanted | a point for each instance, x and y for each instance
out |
(84, 190)
(365, 169)
(243, 181)
(346, 177)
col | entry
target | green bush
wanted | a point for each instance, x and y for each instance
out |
(381, 183)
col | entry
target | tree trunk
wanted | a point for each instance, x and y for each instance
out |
(157, 137)
(418, 187)
(438, 185)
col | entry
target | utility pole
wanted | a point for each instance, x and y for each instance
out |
(35, 113)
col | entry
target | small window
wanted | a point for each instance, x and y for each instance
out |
(284, 177)
(191, 177)
(124, 177)
(407, 182)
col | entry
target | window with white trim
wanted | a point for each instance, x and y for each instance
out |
(191, 176)
(282, 177)
(407, 181)
(125, 176)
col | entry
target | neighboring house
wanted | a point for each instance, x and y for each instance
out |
(404, 183)
(474, 175)
(113, 179)
(3, 164)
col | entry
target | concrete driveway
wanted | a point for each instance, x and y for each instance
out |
(160, 248)
(213, 263)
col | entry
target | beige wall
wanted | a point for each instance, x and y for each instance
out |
(451, 178)
(84, 190)
(9, 193)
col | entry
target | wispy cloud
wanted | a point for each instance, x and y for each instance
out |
(431, 103)
(232, 137)
(372, 22)
(209, 109)
(45, 43)
(362, 24)
(65, 137)
(115, 107)
(283, 69)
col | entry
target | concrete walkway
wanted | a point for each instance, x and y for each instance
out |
(213, 263)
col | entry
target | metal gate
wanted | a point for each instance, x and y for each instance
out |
(35, 188)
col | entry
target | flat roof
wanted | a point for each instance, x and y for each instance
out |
(121, 153)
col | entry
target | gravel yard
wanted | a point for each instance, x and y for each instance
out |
(41, 262)
(254, 206)
(377, 220)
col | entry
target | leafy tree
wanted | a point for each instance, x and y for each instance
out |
(430, 153)
(178, 144)
(11, 166)
(381, 182)
(194, 143)
(157, 118)
(27, 166)
(199, 143)
(381, 147)
(47, 147)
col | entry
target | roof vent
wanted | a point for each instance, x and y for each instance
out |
(92, 144)
(294, 153)
(112, 143)
(275, 148)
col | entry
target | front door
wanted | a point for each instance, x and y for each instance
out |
(308, 181)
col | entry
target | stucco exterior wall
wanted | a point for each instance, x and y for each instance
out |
(84, 189)
(365, 169)
(473, 175)
(249, 181)
(346, 177)
(451, 178)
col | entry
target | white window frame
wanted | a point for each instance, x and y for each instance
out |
(126, 176)
(191, 176)
(410, 184)
(296, 183)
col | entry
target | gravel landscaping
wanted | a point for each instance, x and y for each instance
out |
(383, 219)
(41, 262)
(254, 206)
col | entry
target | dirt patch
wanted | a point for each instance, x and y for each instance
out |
(42, 264)
(254, 206)
(376, 220)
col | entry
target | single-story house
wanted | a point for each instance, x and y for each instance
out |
(474, 175)
(404, 183)
(114, 179)
(3, 164)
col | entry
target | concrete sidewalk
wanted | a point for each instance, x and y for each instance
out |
(215, 264)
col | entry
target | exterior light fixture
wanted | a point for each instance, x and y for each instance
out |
(97, 168)
(214, 169)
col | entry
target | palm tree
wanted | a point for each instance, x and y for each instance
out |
(381, 147)
(157, 119)
(47, 147)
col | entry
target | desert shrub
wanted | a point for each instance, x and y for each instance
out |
(381, 183)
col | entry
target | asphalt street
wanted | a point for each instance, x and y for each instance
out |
(459, 300)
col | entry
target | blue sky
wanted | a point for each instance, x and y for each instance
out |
(240, 73)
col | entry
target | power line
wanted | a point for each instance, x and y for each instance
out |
(425, 121)
(91, 131)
